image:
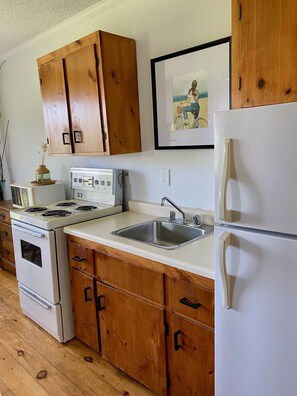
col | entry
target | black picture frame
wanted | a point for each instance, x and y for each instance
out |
(188, 86)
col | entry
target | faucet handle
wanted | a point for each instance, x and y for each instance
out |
(172, 215)
(197, 220)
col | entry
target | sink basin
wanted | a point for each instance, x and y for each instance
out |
(164, 233)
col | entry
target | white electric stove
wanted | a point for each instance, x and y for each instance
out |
(41, 250)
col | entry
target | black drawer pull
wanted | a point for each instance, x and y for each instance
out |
(99, 306)
(79, 259)
(177, 346)
(4, 234)
(86, 289)
(77, 136)
(188, 303)
(66, 140)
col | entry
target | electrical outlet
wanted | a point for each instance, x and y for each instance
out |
(165, 177)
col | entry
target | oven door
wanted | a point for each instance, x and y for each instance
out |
(35, 260)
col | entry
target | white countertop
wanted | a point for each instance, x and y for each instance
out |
(196, 257)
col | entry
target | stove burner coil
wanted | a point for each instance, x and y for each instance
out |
(57, 213)
(36, 209)
(86, 207)
(66, 204)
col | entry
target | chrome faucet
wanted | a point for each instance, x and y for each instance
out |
(175, 206)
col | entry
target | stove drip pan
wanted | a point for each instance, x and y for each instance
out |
(57, 213)
(66, 203)
(36, 209)
(86, 207)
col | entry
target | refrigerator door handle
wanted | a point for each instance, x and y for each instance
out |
(224, 242)
(224, 213)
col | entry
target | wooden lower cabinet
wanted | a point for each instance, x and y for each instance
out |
(156, 321)
(6, 242)
(190, 358)
(133, 336)
(84, 308)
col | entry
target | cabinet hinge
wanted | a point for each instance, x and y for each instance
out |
(47, 140)
(97, 61)
(104, 134)
(239, 83)
(239, 12)
(168, 381)
(166, 327)
(40, 80)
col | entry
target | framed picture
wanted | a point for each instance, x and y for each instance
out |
(188, 87)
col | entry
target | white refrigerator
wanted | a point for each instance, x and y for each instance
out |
(256, 251)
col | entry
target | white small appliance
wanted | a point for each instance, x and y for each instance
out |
(40, 246)
(27, 194)
(256, 251)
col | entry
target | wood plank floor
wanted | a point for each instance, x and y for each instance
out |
(71, 369)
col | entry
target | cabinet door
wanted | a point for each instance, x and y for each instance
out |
(55, 110)
(264, 56)
(133, 336)
(190, 358)
(81, 74)
(84, 308)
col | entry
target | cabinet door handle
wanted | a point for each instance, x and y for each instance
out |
(78, 258)
(66, 141)
(4, 234)
(177, 346)
(188, 303)
(77, 136)
(2, 215)
(99, 306)
(86, 289)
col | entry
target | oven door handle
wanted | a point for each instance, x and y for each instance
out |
(27, 231)
(43, 304)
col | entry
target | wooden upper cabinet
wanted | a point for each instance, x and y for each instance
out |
(55, 109)
(90, 96)
(264, 56)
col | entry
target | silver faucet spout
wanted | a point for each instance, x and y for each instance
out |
(175, 206)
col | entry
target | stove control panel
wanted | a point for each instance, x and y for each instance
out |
(100, 185)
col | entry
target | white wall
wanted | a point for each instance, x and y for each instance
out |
(159, 27)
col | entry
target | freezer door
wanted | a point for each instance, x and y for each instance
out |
(255, 314)
(256, 167)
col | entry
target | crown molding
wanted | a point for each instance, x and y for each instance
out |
(90, 12)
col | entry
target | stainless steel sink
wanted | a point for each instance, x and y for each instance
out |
(164, 233)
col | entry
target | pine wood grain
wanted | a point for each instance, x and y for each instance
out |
(133, 336)
(55, 108)
(264, 53)
(84, 308)
(196, 355)
(68, 372)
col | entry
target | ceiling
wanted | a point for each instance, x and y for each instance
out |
(21, 20)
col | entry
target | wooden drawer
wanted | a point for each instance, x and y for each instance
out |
(81, 258)
(5, 216)
(191, 301)
(5, 232)
(134, 278)
(7, 251)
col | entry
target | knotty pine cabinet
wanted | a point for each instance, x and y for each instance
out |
(90, 96)
(155, 322)
(83, 295)
(131, 316)
(264, 55)
(190, 339)
(6, 241)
